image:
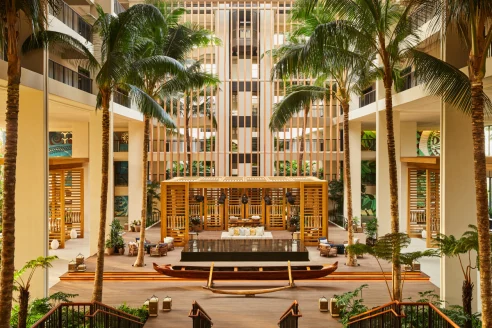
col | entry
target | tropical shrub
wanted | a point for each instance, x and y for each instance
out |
(350, 304)
(141, 312)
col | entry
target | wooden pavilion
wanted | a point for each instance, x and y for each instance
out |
(271, 200)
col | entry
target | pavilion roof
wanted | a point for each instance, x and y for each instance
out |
(245, 182)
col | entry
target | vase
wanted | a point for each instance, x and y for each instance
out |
(121, 250)
(137, 228)
(424, 234)
(110, 251)
(73, 233)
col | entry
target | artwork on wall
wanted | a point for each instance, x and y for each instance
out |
(120, 206)
(429, 143)
(60, 144)
(120, 140)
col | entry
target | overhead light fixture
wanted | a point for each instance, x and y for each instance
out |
(268, 200)
(222, 198)
(244, 199)
(199, 198)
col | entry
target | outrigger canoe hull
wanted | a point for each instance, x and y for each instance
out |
(247, 272)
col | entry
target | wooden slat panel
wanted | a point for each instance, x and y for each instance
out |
(55, 207)
(416, 202)
(176, 213)
(213, 217)
(313, 213)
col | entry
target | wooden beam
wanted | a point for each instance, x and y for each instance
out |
(421, 160)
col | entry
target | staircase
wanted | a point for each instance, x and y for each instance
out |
(403, 314)
(87, 315)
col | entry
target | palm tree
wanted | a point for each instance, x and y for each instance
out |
(451, 247)
(339, 62)
(166, 48)
(35, 13)
(385, 29)
(183, 99)
(118, 52)
(473, 22)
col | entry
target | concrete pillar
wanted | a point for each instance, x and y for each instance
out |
(80, 140)
(95, 177)
(222, 54)
(31, 233)
(382, 170)
(135, 169)
(458, 206)
(408, 138)
(355, 168)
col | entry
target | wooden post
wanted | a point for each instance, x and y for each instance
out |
(301, 209)
(204, 209)
(62, 208)
(427, 208)
(82, 200)
(324, 208)
(163, 210)
(187, 213)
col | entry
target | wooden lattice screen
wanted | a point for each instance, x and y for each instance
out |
(213, 217)
(312, 216)
(276, 211)
(423, 203)
(66, 204)
(56, 212)
(176, 204)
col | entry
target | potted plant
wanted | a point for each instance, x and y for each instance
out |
(371, 232)
(137, 225)
(132, 227)
(356, 224)
(196, 223)
(120, 246)
(109, 247)
(294, 223)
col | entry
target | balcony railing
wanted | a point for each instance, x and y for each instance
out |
(200, 317)
(409, 81)
(367, 98)
(122, 99)
(118, 8)
(421, 17)
(290, 318)
(73, 20)
(66, 75)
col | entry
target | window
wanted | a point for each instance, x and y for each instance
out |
(244, 33)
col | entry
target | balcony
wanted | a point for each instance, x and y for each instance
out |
(117, 7)
(67, 76)
(73, 20)
(419, 18)
(409, 81)
(367, 98)
(122, 99)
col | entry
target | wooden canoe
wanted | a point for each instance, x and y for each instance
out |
(247, 272)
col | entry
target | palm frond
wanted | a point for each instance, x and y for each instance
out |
(148, 106)
(297, 98)
(444, 80)
(159, 67)
(44, 39)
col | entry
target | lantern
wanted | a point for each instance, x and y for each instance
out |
(323, 304)
(167, 304)
(146, 303)
(81, 268)
(334, 309)
(72, 266)
(244, 199)
(79, 259)
(268, 200)
(153, 306)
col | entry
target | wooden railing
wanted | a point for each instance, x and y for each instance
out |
(153, 218)
(403, 314)
(200, 318)
(87, 314)
(290, 317)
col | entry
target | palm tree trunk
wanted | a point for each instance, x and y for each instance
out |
(348, 182)
(23, 306)
(467, 296)
(98, 277)
(188, 145)
(139, 262)
(393, 182)
(481, 201)
(9, 167)
(301, 142)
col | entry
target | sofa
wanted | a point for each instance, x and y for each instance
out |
(246, 233)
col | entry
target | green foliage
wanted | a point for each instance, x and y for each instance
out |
(372, 228)
(141, 312)
(153, 196)
(195, 220)
(453, 312)
(368, 141)
(40, 262)
(350, 304)
(115, 238)
(39, 307)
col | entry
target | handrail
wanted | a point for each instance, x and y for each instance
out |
(405, 313)
(73, 20)
(200, 317)
(55, 315)
(292, 312)
(445, 317)
(113, 315)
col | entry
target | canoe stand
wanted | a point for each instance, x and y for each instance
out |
(247, 293)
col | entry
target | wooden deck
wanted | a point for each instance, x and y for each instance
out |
(125, 283)
(230, 311)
